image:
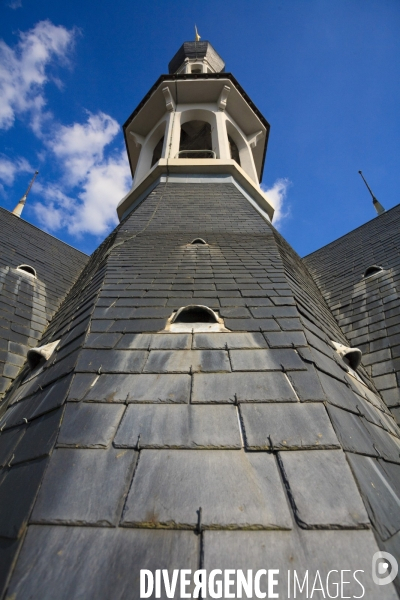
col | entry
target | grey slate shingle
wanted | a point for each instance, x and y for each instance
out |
(234, 490)
(89, 425)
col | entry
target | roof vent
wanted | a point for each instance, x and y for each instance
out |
(372, 270)
(40, 354)
(27, 269)
(195, 313)
(198, 241)
(351, 356)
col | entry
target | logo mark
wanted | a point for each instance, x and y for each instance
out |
(384, 568)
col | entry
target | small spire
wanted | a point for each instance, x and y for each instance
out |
(197, 37)
(378, 206)
(20, 206)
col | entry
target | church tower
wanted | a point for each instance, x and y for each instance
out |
(193, 404)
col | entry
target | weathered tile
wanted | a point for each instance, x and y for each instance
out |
(97, 563)
(18, 491)
(179, 426)
(289, 426)
(111, 361)
(387, 445)
(338, 393)
(102, 340)
(228, 340)
(185, 361)
(233, 489)
(135, 341)
(81, 384)
(324, 489)
(8, 552)
(307, 384)
(73, 490)
(39, 438)
(311, 553)
(8, 441)
(141, 388)
(285, 339)
(89, 425)
(265, 360)
(171, 341)
(378, 490)
(351, 432)
(252, 387)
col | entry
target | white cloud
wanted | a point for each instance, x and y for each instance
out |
(24, 70)
(95, 182)
(14, 4)
(9, 169)
(277, 195)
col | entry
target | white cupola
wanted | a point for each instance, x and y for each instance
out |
(196, 120)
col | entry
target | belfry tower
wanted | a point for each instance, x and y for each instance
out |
(193, 404)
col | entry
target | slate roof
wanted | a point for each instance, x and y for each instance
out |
(139, 448)
(28, 304)
(367, 308)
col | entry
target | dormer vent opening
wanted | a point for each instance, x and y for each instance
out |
(27, 269)
(350, 356)
(195, 313)
(39, 355)
(372, 270)
(199, 241)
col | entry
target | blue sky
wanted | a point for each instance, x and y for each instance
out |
(325, 74)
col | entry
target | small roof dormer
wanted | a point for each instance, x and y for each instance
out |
(196, 57)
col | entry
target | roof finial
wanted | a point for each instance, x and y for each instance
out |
(197, 37)
(20, 206)
(378, 206)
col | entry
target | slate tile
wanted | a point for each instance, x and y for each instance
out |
(81, 384)
(89, 425)
(115, 361)
(254, 387)
(283, 339)
(267, 360)
(18, 491)
(388, 445)
(324, 489)
(251, 324)
(141, 388)
(184, 361)
(138, 325)
(323, 552)
(102, 340)
(307, 384)
(171, 341)
(351, 432)
(234, 489)
(73, 490)
(70, 556)
(379, 493)
(338, 393)
(8, 442)
(39, 438)
(228, 340)
(179, 426)
(50, 398)
(289, 426)
(8, 552)
(135, 341)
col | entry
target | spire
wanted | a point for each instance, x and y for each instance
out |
(20, 206)
(197, 37)
(377, 205)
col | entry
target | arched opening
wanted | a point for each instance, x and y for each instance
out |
(351, 356)
(198, 241)
(27, 269)
(195, 313)
(372, 270)
(196, 140)
(234, 150)
(197, 69)
(157, 152)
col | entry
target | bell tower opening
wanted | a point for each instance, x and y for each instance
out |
(195, 140)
